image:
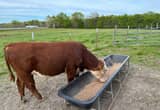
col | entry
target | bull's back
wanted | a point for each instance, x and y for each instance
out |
(46, 57)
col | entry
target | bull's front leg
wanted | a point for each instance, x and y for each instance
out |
(71, 72)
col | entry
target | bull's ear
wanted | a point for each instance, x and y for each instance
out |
(100, 65)
(105, 66)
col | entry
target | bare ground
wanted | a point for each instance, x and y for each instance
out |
(141, 91)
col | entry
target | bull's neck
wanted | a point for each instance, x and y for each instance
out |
(90, 61)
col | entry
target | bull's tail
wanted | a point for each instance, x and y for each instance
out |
(12, 77)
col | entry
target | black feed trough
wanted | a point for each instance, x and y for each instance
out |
(69, 91)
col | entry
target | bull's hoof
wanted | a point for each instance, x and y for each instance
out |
(23, 100)
(39, 97)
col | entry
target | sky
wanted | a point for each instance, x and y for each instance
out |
(23, 10)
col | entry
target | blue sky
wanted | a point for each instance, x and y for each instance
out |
(23, 10)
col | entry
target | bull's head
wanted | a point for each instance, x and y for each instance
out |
(100, 71)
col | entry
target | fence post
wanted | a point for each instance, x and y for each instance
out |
(114, 35)
(32, 35)
(127, 34)
(96, 37)
(151, 29)
(157, 27)
(137, 35)
(146, 27)
(70, 36)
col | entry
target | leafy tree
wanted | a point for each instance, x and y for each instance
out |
(50, 21)
(77, 20)
(92, 20)
(62, 20)
(16, 23)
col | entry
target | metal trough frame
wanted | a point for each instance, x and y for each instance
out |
(117, 78)
(114, 96)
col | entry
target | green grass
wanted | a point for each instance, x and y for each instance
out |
(145, 55)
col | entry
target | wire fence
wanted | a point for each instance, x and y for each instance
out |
(139, 36)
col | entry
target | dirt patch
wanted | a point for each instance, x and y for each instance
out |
(140, 91)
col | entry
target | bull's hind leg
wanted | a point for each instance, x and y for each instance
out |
(28, 81)
(30, 84)
(21, 88)
(20, 84)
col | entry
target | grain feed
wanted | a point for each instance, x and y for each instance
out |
(92, 88)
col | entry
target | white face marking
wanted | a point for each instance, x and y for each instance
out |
(100, 73)
(97, 74)
(102, 80)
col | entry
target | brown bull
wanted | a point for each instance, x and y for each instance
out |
(48, 59)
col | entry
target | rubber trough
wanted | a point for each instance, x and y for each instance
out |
(69, 91)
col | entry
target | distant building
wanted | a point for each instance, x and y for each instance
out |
(32, 26)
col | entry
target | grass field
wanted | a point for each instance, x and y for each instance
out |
(145, 55)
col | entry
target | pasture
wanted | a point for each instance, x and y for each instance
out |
(140, 54)
(140, 89)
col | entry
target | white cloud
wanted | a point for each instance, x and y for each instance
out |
(32, 9)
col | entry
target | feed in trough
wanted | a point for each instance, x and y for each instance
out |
(94, 86)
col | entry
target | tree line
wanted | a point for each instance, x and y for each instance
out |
(78, 20)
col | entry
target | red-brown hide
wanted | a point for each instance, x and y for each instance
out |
(48, 59)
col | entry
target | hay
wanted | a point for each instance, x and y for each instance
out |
(92, 88)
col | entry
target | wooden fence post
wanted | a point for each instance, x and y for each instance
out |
(70, 36)
(114, 35)
(157, 27)
(97, 37)
(151, 29)
(32, 35)
(127, 34)
(137, 34)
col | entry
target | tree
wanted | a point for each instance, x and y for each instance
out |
(16, 23)
(77, 20)
(32, 22)
(91, 20)
(101, 22)
(62, 20)
(50, 21)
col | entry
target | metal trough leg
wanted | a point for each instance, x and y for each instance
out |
(128, 67)
(111, 90)
(98, 104)
(127, 71)
(116, 95)
(118, 79)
